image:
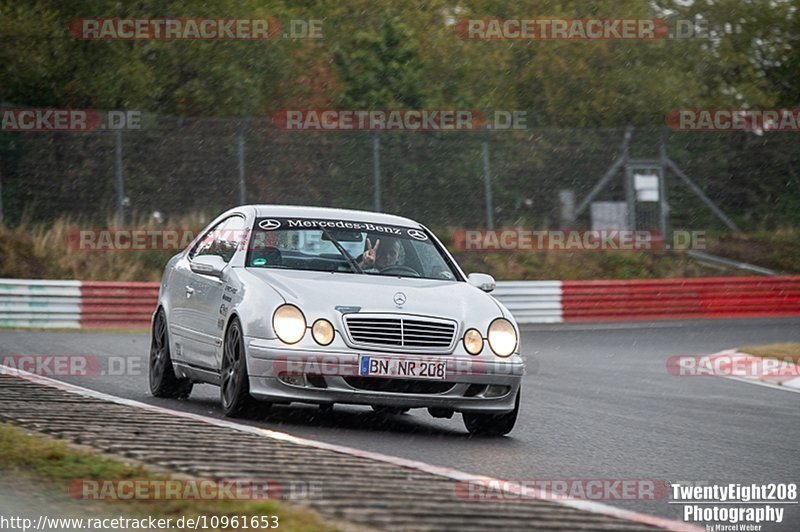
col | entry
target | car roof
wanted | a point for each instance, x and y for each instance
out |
(301, 211)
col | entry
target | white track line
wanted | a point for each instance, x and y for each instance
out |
(446, 472)
(766, 384)
(790, 385)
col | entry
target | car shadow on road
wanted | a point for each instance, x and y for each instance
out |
(350, 418)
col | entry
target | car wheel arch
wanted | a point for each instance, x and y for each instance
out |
(233, 316)
(159, 308)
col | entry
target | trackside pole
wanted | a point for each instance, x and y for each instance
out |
(487, 184)
(240, 148)
(376, 172)
(119, 177)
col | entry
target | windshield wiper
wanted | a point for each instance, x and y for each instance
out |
(350, 260)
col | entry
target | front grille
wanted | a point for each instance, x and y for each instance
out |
(404, 332)
(378, 384)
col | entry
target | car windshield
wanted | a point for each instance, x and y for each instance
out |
(346, 246)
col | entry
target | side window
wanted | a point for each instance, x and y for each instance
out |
(222, 239)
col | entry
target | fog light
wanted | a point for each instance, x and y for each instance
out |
(293, 380)
(496, 390)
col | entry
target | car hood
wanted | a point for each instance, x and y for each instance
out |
(374, 293)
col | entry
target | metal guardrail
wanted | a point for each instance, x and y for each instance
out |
(714, 260)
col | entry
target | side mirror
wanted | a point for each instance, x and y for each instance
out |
(482, 280)
(208, 265)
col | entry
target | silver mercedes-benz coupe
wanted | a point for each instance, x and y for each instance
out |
(279, 304)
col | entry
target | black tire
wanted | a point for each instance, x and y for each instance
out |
(492, 424)
(162, 378)
(234, 386)
(389, 410)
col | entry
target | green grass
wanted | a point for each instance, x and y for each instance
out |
(36, 251)
(788, 351)
(777, 250)
(53, 465)
(574, 266)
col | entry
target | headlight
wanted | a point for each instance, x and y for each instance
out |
(502, 337)
(473, 342)
(322, 331)
(289, 324)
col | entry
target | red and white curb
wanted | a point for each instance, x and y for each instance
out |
(734, 359)
(79, 304)
(76, 304)
(510, 488)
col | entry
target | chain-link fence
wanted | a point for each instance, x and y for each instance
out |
(178, 166)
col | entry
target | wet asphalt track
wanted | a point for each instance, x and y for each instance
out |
(598, 404)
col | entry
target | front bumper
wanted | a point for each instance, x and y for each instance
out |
(473, 384)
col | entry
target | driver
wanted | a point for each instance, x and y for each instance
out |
(380, 256)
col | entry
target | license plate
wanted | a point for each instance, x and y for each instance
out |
(370, 366)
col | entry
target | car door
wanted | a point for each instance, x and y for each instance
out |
(183, 321)
(206, 307)
(178, 304)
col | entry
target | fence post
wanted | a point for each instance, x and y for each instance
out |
(1, 197)
(376, 171)
(662, 185)
(119, 177)
(487, 184)
(240, 146)
(566, 202)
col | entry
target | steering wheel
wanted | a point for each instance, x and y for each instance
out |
(399, 269)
